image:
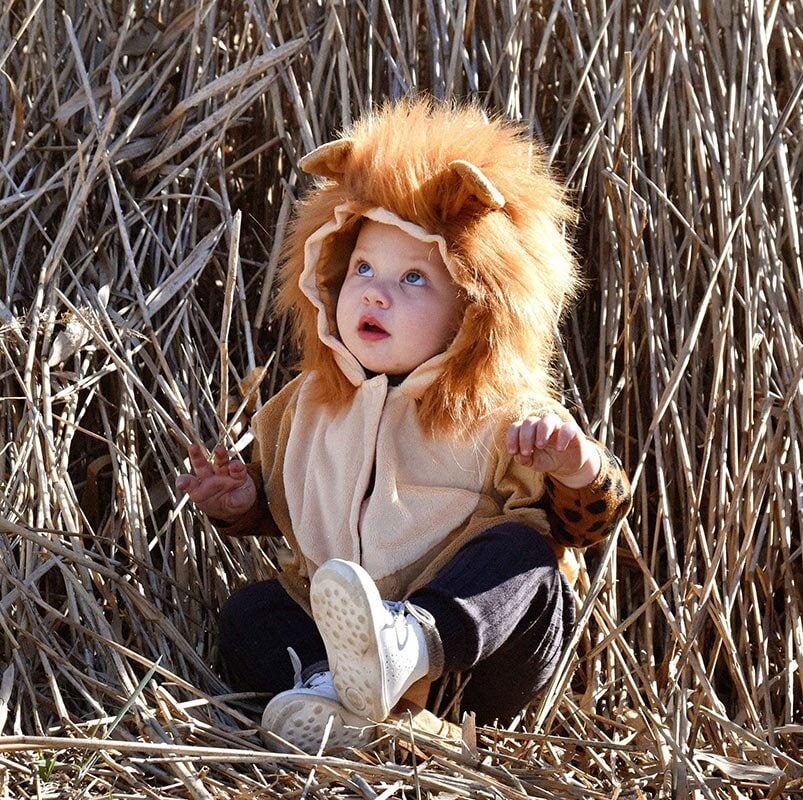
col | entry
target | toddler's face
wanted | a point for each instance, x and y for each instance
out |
(398, 305)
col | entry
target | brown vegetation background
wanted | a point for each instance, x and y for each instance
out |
(149, 164)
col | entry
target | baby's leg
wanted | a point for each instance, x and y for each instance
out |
(257, 625)
(504, 613)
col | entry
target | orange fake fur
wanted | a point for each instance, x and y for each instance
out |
(513, 265)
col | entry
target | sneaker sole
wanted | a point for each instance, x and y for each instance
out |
(301, 721)
(341, 601)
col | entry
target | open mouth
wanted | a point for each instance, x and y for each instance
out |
(369, 328)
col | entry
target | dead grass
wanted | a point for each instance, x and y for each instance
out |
(149, 156)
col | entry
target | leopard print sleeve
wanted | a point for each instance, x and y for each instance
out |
(582, 517)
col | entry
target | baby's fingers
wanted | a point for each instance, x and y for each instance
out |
(545, 429)
(208, 489)
(200, 464)
(527, 434)
(512, 438)
(220, 456)
(198, 489)
(520, 436)
(227, 463)
(567, 435)
(185, 483)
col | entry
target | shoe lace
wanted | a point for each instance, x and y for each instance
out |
(296, 662)
(399, 609)
(310, 680)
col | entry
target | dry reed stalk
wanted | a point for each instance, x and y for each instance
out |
(148, 170)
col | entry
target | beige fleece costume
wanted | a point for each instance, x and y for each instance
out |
(366, 483)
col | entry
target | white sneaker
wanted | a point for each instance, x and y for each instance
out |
(300, 716)
(376, 649)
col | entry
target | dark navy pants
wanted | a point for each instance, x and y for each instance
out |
(502, 609)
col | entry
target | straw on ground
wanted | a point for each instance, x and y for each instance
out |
(149, 165)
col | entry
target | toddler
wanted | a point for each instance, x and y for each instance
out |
(426, 480)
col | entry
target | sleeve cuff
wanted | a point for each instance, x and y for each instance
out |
(586, 515)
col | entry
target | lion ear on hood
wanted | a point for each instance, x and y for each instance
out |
(478, 184)
(329, 160)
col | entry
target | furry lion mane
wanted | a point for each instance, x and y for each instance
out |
(513, 264)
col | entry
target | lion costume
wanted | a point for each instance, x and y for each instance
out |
(399, 476)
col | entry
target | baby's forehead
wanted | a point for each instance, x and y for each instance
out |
(371, 231)
(380, 239)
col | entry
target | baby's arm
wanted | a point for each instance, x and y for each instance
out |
(222, 488)
(587, 490)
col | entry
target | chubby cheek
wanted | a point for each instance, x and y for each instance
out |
(431, 335)
(443, 339)
(342, 316)
(445, 321)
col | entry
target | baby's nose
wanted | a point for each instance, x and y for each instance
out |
(376, 294)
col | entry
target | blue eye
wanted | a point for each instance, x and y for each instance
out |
(414, 279)
(364, 269)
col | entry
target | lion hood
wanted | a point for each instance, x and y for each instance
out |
(481, 191)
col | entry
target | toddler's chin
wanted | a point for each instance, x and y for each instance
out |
(376, 366)
(384, 369)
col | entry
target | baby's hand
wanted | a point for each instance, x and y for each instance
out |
(222, 489)
(548, 444)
